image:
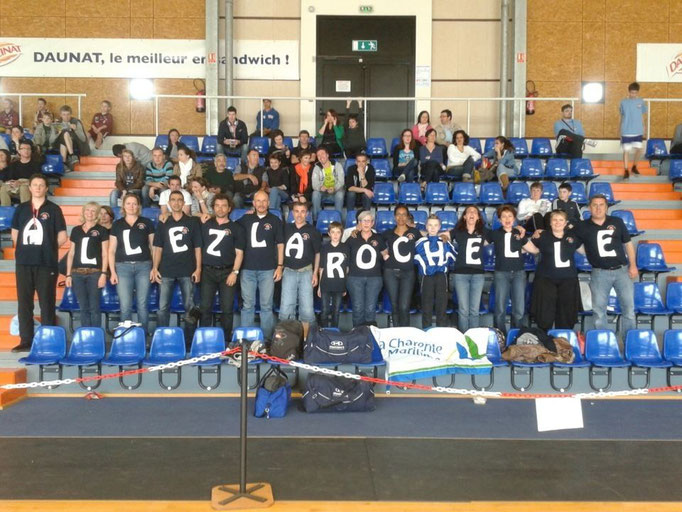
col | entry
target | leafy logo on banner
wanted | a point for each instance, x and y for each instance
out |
(470, 351)
(9, 52)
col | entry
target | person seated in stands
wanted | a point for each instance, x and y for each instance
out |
(276, 182)
(129, 178)
(174, 145)
(420, 128)
(8, 117)
(445, 131)
(569, 133)
(102, 124)
(360, 183)
(141, 152)
(566, 204)
(328, 181)
(303, 145)
(157, 173)
(233, 137)
(46, 134)
(503, 163)
(248, 178)
(330, 134)
(41, 110)
(354, 134)
(187, 166)
(461, 157)
(5, 159)
(16, 136)
(270, 120)
(532, 210)
(19, 173)
(405, 157)
(219, 178)
(279, 149)
(301, 178)
(431, 159)
(202, 199)
(72, 140)
(174, 183)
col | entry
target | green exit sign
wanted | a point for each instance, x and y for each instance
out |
(365, 9)
(365, 45)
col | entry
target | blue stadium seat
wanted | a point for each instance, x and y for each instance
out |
(382, 168)
(495, 357)
(578, 192)
(675, 171)
(325, 218)
(410, 194)
(549, 190)
(349, 162)
(517, 191)
(656, 150)
(237, 214)
(673, 301)
(383, 194)
(629, 220)
(520, 147)
(87, 350)
(161, 142)
(277, 213)
(308, 217)
(531, 170)
(394, 142)
(191, 141)
(672, 351)
(437, 193)
(168, 346)
(648, 302)
(557, 169)
(153, 298)
(201, 159)
(464, 193)
(489, 145)
(489, 265)
(231, 163)
(54, 165)
(251, 335)
(208, 340)
(518, 368)
(209, 145)
(152, 213)
(376, 147)
(603, 353)
(581, 263)
(109, 302)
(384, 221)
(128, 349)
(566, 369)
(604, 188)
(48, 348)
(541, 148)
(351, 220)
(529, 263)
(289, 142)
(261, 144)
(7, 137)
(69, 304)
(491, 193)
(6, 216)
(581, 169)
(475, 144)
(448, 219)
(650, 258)
(420, 217)
(641, 349)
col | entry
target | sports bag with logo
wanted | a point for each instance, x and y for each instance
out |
(336, 394)
(273, 395)
(287, 340)
(324, 346)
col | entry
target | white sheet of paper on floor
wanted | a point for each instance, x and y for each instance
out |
(558, 413)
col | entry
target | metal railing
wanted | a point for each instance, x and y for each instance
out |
(43, 95)
(649, 101)
(468, 101)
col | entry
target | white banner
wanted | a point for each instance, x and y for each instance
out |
(659, 62)
(412, 353)
(143, 58)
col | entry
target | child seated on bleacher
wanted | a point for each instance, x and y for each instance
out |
(566, 204)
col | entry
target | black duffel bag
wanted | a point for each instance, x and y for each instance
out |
(287, 340)
(323, 346)
(324, 393)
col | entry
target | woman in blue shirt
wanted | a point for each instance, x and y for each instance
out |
(502, 154)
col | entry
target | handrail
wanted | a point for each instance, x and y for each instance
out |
(44, 95)
(648, 110)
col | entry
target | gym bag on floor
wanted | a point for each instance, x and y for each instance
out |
(287, 340)
(323, 346)
(324, 393)
(273, 395)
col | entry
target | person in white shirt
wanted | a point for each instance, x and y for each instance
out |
(461, 157)
(532, 210)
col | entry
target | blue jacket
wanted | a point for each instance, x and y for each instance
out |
(433, 255)
(270, 119)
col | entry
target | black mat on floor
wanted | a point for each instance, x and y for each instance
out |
(343, 469)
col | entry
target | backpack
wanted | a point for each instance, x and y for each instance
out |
(324, 346)
(287, 339)
(273, 395)
(324, 393)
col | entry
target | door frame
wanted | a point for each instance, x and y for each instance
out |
(310, 9)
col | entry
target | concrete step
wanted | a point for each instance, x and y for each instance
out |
(658, 219)
(99, 160)
(87, 183)
(94, 167)
(81, 192)
(93, 175)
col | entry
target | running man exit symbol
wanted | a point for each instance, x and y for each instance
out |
(365, 45)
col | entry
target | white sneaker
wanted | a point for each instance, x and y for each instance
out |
(591, 142)
(401, 178)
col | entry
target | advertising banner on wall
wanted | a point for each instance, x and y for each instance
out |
(143, 58)
(659, 62)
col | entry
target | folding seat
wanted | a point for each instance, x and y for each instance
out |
(6, 216)
(673, 301)
(351, 220)
(86, 350)
(603, 354)
(581, 169)
(348, 163)
(191, 141)
(566, 369)
(520, 147)
(277, 213)
(251, 335)
(394, 142)
(541, 148)
(531, 170)
(54, 165)
(656, 150)
(603, 188)
(517, 191)
(152, 213)
(420, 217)
(410, 194)
(675, 173)
(128, 349)
(168, 346)
(437, 194)
(495, 357)
(549, 190)
(475, 144)
(208, 340)
(385, 221)
(237, 214)
(382, 169)
(490, 145)
(641, 349)
(383, 194)
(261, 144)
(629, 220)
(376, 147)
(325, 218)
(109, 304)
(578, 194)
(529, 263)
(650, 259)
(289, 142)
(209, 145)
(648, 302)
(448, 219)
(47, 350)
(69, 304)
(672, 351)
(161, 142)
(556, 169)
(464, 193)
(491, 194)
(232, 162)
(581, 262)
(489, 259)
(519, 368)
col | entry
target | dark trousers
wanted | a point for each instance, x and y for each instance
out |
(213, 279)
(331, 305)
(434, 291)
(457, 171)
(33, 279)
(536, 221)
(88, 295)
(399, 284)
(555, 302)
(431, 171)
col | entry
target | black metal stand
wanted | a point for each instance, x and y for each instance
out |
(256, 495)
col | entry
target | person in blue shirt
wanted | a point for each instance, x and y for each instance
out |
(569, 133)
(502, 157)
(632, 110)
(270, 119)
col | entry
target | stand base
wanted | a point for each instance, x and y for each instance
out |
(228, 497)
